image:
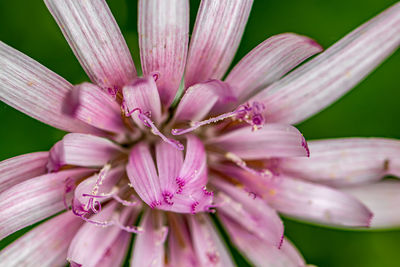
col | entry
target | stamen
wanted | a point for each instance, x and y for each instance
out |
(144, 117)
(91, 205)
(249, 114)
(242, 164)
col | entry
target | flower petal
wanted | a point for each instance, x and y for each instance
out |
(273, 140)
(94, 106)
(217, 32)
(259, 252)
(82, 150)
(148, 249)
(18, 169)
(383, 199)
(252, 213)
(269, 61)
(143, 94)
(106, 245)
(35, 90)
(343, 162)
(96, 40)
(163, 38)
(209, 247)
(324, 79)
(34, 200)
(51, 238)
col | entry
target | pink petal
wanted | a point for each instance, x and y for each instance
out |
(51, 239)
(269, 61)
(143, 175)
(252, 213)
(35, 90)
(304, 200)
(292, 252)
(209, 247)
(143, 94)
(107, 246)
(217, 32)
(94, 106)
(343, 162)
(18, 169)
(324, 79)
(382, 199)
(273, 140)
(148, 249)
(96, 40)
(34, 200)
(163, 38)
(259, 252)
(82, 150)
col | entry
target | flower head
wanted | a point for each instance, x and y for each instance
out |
(227, 146)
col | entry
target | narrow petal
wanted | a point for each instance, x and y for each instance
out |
(209, 248)
(143, 175)
(200, 99)
(217, 32)
(148, 249)
(51, 238)
(257, 251)
(163, 39)
(269, 61)
(273, 140)
(324, 79)
(142, 94)
(18, 169)
(105, 244)
(96, 40)
(304, 200)
(382, 199)
(250, 212)
(94, 106)
(343, 162)
(35, 90)
(34, 200)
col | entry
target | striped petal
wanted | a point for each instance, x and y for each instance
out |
(209, 248)
(18, 169)
(344, 162)
(35, 90)
(94, 106)
(273, 140)
(259, 252)
(163, 39)
(82, 150)
(148, 249)
(324, 79)
(217, 32)
(382, 199)
(269, 61)
(33, 200)
(96, 40)
(51, 238)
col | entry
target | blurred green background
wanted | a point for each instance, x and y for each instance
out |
(371, 109)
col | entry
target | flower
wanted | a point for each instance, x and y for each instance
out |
(226, 146)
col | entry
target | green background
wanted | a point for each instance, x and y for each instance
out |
(371, 109)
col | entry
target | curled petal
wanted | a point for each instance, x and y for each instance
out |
(321, 81)
(217, 32)
(36, 91)
(34, 200)
(343, 162)
(96, 40)
(18, 169)
(51, 238)
(382, 199)
(269, 61)
(163, 39)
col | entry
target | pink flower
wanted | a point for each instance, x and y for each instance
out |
(226, 146)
